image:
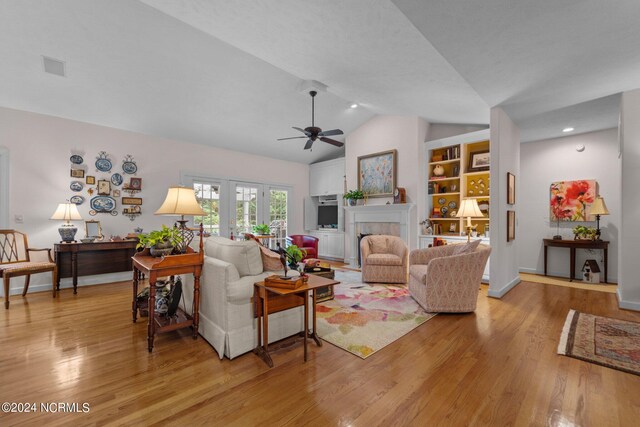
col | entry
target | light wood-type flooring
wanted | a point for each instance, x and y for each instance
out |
(497, 366)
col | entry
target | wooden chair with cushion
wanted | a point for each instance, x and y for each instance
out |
(15, 261)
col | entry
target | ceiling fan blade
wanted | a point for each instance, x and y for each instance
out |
(308, 144)
(332, 141)
(331, 132)
(293, 137)
(301, 130)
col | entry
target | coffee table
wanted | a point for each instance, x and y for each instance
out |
(272, 300)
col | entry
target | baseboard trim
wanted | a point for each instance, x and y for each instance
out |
(68, 283)
(502, 292)
(627, 305)
(562, 275)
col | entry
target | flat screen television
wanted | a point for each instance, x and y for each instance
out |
(327, 215)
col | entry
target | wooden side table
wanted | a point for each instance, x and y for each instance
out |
(577, 244)
(272, 300)
(153, 268)
(85, 259)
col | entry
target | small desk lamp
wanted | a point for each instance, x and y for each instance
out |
(181, 201)
(469, 208)
(67, 212)
(598, 207)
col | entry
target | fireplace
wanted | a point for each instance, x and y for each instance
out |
(393, 220)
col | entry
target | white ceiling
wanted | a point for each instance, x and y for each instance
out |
(226, 73)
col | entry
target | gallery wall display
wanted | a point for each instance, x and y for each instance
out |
(377, 173)
(571, 200)
(105, 186)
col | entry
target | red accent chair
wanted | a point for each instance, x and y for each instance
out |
(308, 243)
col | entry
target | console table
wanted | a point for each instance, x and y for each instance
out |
(577, 244)
(86, 259)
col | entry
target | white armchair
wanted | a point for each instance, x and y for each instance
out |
(226, 290)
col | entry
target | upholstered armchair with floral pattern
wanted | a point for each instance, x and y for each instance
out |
(447, 278)
(384, 259)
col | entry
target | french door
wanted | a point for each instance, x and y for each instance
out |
(234, 206)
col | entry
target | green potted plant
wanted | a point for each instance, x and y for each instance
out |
(294, 255)
(261, 229)
(584, 233)
(160, 242)
(353, 196)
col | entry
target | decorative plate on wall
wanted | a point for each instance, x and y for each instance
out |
(76, 186)
(76, 159)
(129, 166)
(444, 210)
(103, 204)
(103, 164)
(442, 200)
(116, 179)
(453, 204)
(78, 200)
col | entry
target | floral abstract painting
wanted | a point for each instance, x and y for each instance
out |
(377, 174)
(571, 200)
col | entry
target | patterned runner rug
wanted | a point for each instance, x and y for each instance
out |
(363, 318)
(602, 340)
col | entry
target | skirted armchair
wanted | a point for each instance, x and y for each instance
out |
(384, 259)
(446, 279)
(308, 243)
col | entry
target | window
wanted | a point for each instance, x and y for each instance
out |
(208, 195)
(278, 202)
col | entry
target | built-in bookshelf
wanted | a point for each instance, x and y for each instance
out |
(451, 177)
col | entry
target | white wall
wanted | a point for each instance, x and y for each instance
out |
(446, 130)
(629, 283)
(505, 157)
(543, 162)
(4, 187)
(40, 147)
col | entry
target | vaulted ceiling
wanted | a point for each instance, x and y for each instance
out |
(228, 73)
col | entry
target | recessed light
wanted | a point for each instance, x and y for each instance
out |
(569, 129)
(354, 105)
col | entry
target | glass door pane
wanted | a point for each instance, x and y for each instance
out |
(247, 203)
(278, 201)
(208, 195)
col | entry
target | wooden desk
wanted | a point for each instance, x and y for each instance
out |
(577, 244)
(85, 259)
(189, 263)
(272, 300)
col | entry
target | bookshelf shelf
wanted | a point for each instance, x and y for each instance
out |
(444, 162)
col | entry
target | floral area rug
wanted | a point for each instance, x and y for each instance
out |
(363, 318)
(602, 340)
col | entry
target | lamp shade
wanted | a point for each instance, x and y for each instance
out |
(469, 209)
(67, 212)
(598, 207)
(180, 201)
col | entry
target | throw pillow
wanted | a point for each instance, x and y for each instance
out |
(378, 244)
(270, 260)
(466, 247)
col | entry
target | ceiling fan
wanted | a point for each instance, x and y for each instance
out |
(312, 132)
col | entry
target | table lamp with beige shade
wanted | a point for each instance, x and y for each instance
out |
(181, 201)
(67, 212)
(469, 209)
(598, 207)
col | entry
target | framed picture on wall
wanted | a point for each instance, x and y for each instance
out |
(77, 173)
(479, 161)
(511, 189)
(90, 180)
(377, 173)
(511, 225)
(104, 187)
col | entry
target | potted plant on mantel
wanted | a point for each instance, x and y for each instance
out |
(160, 242)
(353, 196)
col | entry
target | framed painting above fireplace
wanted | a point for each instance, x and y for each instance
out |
(377, 173)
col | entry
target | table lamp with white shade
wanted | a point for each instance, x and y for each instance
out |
(469, 209)
(181, 201)
(67, 212)
(598, 207)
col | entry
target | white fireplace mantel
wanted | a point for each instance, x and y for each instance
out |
(396, 213)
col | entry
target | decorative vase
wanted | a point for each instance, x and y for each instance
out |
(438, 170)
(161, 249)
(352, 202)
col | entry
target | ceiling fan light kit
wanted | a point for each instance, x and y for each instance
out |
(312, 133)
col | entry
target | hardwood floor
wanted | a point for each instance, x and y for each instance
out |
(497, 366)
